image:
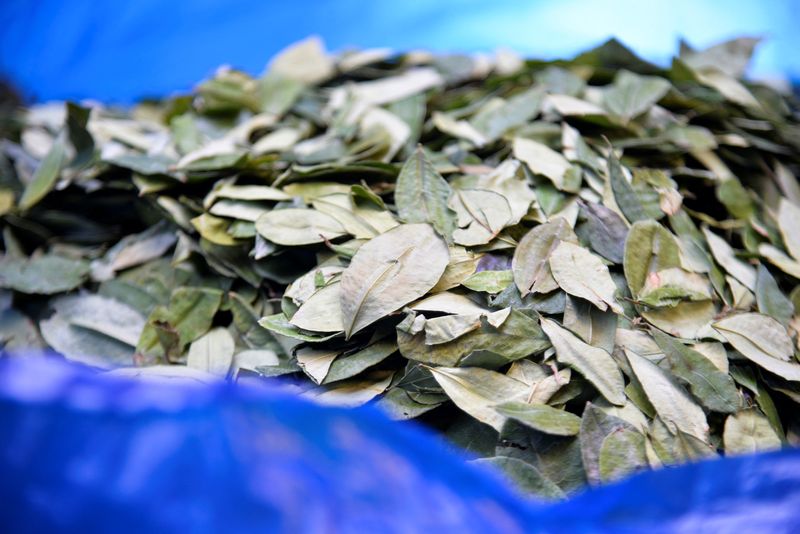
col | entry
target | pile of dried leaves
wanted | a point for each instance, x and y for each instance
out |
(574, 269)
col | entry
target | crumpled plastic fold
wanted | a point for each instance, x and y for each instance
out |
(85, 451)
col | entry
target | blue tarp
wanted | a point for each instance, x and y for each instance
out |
(123, 50)
(85, 452)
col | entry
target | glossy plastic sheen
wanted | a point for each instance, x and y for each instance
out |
(82, 451)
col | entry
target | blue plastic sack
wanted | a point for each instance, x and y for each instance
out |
(83, 451)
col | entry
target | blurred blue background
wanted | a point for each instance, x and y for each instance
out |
(123, 50)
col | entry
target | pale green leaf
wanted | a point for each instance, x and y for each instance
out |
(649, 247)
(543, 160)
(295, 226)
(595, 364)
(321, 312)
(622, 453)
(724, 255)
(542, 417)
(390, 271)
(531, 264)
(212, 352)
(489, 281)
(631, 94)
(481, 215)
(582, 274)
(47, 274)
(788, 223)
(713, 388)
(46, 176)
(421, 196)
(477, 391)
(670, 400)
(749, 432)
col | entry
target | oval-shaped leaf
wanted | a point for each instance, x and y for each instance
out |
(713, 388)
(477, 391)
(754, 333)
(582, 274)
(530, 263)
(605, 231)
(298, 226)
(481, 215)
(212, 352)
(390, 271)
(724, 255)
(649, 248)
(748, 432)
(595, 364)
(322, 311)
(46, 176)
(542, 417)
(42, 274)
(421, 196)
(541, 159)
(673, 405)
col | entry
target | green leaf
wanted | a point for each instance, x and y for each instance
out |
(390, 271)
(93, 329)
(713, 388)
(18, 332)
(350, 365)
(188, 316)
(756, 334)
(771, 301)
(43, 275)
(542, 417)
(212, 352)
(674, 446)
(778, 258)
(516, 111)
(142, 164)
(481, 215)
(673, 405)
(597, 328)
(606, 231)
(582, 274)
(649, 248)
(531, 264)
(762, 340)
(296, 226)
(489, 281)
(686, 319)
(726, 257)
(621, 454)
(596, 425)
(543, 160)
(670, 286)
(518, 336)
(595, 364)
(279, 324)
(788, 217)
(46, 176)
(735, 197)
(321, 312)
(730, 57)
(638, 201)
(316, 362)
(477, 391)
(748, 432)
(449, 327)
(422, 194)
(524, 475)
(631, 94)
